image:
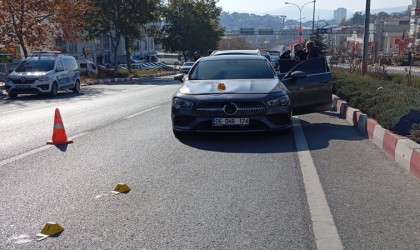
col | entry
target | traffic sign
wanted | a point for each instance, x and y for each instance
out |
(324, 31)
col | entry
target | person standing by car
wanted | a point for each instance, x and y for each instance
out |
(286, 54)
(196, 55)
(312, 50)
(300, 54)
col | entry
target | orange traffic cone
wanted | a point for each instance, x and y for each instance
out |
(59, 133)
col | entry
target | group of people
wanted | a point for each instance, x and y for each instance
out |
(301, 53)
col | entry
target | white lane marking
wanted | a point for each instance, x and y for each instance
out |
(21, 239)
(33, 151)
(142, 112)
(325, 230)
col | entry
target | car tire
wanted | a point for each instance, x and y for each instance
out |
(76, 88)
(54, 89)
(12, 95)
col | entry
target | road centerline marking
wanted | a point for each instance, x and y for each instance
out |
(142, 112)
(323, 225)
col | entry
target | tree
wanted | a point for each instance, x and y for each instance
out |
(121, 19)
(34, 24)
(380, 16)
(319, 41)
(139, 16)
(191, 25)
(357, 19)
(233, 43)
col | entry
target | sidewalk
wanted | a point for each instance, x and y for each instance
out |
(403, 68)
(405, 152)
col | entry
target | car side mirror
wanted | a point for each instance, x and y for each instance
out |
(298, 75)
(179, 77)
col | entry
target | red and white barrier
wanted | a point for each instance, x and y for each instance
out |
(403, 150)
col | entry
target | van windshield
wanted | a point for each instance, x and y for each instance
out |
(36, 66)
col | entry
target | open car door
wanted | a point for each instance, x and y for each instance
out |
(311, 85)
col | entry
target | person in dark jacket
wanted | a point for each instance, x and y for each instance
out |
(312, 50)
(196, 55)
(300, 54)
(286, 55)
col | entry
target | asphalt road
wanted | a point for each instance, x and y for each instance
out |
(229, 191)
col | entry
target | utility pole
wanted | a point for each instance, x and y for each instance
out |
(313, 20)
(283, 18)
(366, 39)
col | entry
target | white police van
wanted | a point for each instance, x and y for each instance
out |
(44, 72)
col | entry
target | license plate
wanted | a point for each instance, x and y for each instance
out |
(230, 121)
(23, 86)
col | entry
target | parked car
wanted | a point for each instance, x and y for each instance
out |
(274, 61)
(244, 93)
(105, 70)
(88, 67)
(165, 66)
(46, 72)
(186, 67)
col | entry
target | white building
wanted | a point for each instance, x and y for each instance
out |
(340, 14)
(100, 51)
(414, 32)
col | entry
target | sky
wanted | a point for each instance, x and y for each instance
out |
(251, 6)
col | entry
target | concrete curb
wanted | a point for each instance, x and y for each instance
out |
(404, 151)
(115, 80)
(107, 81)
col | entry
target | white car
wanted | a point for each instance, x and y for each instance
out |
(185, 68)
(88, 67)
(44, 73)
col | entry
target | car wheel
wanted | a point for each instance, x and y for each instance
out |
(12, 95)
(76, 88)
(54, 89)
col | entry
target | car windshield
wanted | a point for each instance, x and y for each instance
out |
(232, 69)
(36, 65)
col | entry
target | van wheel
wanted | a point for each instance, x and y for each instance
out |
(12, 95)
(76, 88)
(54, 89)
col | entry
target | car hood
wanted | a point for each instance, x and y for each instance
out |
(237, 86)
(28, 74)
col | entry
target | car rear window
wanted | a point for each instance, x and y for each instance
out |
(232, 69)
(36, 65)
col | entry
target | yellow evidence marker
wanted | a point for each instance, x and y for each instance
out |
(50, 229)
(121, 188)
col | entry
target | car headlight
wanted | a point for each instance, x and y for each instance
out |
(44, 78)
(179, 103)
(280, 101)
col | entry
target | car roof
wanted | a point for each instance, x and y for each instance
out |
(233, 56)
(237, 52)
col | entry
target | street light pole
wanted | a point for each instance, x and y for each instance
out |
(300, 17)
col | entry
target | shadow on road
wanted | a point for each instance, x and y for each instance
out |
(318, 136)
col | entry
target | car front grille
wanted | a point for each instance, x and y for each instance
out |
(230, 109)
(23, 81)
